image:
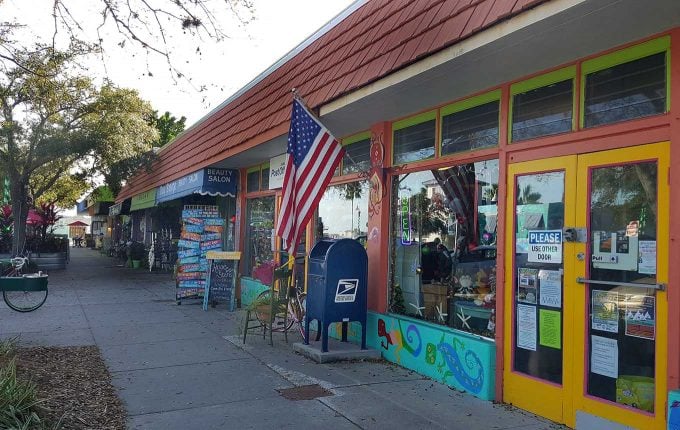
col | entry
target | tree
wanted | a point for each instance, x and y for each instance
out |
(168, 127)
(55, 123)
(129, 25)
(528, 196)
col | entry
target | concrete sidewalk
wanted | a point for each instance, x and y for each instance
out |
(178, 367)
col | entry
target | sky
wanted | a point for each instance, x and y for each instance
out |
(223, 67)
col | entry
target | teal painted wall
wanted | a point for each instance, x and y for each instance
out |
(250, 289)
(674, 410)
(454, 358)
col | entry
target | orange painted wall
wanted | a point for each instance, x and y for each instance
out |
(674, 251)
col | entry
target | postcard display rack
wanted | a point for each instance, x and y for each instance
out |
(202, 230)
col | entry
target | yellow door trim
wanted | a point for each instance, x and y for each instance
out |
(604, 409)
(561, 403)
(546, 399)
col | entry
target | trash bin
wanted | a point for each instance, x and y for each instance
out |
(337, 287)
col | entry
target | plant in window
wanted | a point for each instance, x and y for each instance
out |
(397, 300)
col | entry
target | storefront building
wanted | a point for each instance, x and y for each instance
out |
(508, 168)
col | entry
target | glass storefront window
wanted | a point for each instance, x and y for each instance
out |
(253, 181)
(469, 129)
(357, 157)
(343, 212)
(414, 142)
(630, 90)
(543, 111)
(259, 250)
(443, 256)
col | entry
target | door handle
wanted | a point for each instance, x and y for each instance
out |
(660, 287)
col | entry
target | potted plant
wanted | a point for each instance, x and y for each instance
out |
(137, 252)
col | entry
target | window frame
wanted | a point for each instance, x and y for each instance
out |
(416, 120)
(622, 56)
(541, 81)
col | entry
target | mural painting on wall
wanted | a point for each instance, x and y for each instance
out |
(449, 359)
(376, 179)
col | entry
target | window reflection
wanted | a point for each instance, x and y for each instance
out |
(259, 255)
(343, 212)
(443, 255)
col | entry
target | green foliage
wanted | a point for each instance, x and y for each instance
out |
(56, 123)
(168, 127)
(19, 404)
(397, 304)
(428, 215)
(66, 190)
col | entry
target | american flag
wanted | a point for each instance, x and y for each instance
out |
(458, 185)
(313, 155)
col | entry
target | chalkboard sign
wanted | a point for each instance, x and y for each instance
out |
(221, 283)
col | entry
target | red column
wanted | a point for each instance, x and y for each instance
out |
(500, 240)
(674, 242)
(377, 245)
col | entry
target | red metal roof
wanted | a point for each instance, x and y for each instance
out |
(377, 39)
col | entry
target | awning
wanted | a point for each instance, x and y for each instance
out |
(77, 224)
(99, 208)
(208, 181)
(147, 199)
(122, 208)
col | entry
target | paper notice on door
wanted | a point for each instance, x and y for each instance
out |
(526, 327)
(550, 293)
(647, 257)
(550, 328)
(641, 317)
(605, 305)
(604, 356)
(527, 285)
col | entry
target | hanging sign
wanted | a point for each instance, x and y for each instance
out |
(545, 246)
(277, 167)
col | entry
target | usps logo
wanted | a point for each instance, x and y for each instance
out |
(347, 290)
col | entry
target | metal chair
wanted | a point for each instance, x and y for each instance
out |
(275, 301)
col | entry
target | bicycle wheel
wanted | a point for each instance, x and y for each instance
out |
(297, 309)
(262, 314)
(24, 301)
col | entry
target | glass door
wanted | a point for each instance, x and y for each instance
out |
(620, 283)
(586, 267)
(538, 332)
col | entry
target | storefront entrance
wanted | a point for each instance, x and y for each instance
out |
(587, 267)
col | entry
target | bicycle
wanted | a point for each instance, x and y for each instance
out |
(297, 305)
(23, 292)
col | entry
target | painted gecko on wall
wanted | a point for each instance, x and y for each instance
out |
(460, 369)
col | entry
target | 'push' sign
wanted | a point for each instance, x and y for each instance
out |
(545, 246)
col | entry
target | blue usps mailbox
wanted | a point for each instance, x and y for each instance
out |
(336, 287)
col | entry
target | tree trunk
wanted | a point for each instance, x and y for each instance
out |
(20, 214)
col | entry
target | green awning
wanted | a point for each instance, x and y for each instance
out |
(147, 199)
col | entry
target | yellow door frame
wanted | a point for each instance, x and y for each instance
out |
(551, 401)
(560, 403)
(659, 152)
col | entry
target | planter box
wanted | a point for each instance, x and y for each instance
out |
(50, 261)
